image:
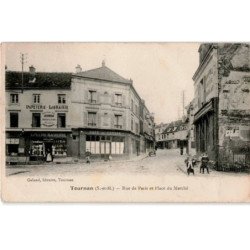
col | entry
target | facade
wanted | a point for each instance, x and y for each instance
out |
(222, 103)
(190, 128)
(37, 115)
(175, 135)
(66, 114)
(105, 115)
(147, 129)
(159, 136)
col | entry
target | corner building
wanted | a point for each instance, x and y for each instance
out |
(105, 114)
(37, 116)
(222, 103)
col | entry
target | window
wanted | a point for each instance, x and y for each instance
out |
(91, 119)
(132, 124)
(137, 128)
(132, 105)
(61, 120)
(61, 98)
(13, 120)
(14, 98)
(36, 98)
(93, 144)
(118, 99)
(92, 96)
(36, 120)
(117, 145)
(136, 110)
(118, 121)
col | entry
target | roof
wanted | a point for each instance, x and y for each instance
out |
(172, 125)
(39, 80)
(103, 73)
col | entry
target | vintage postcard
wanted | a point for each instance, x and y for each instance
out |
(125, 122)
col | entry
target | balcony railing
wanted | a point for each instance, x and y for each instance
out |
(118, 126)
(92, 124)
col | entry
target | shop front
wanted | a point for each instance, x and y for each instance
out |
(15, 147)
(44, 143)
(103, 143)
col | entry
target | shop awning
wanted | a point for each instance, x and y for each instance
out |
(204, 110)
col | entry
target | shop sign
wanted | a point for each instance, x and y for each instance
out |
(232, 132)
(53, 107)
(94, 132)
(48, 135)
(48, 119)
(12, 141)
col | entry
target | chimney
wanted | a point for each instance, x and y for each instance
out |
(103, 63)
(78, 69)
(32, 70)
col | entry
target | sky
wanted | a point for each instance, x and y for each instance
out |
(160, 71)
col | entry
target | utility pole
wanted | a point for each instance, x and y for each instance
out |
(23, 60)
(183, 102)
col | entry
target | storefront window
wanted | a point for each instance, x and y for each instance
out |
(37, 149)
(12, 149)
(59, 147)
(107, 145)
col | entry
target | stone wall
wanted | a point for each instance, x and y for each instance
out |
(234, 102)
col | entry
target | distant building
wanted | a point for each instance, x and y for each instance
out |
(175, 135)
(222, 102)
(159, 136)
(190, 128)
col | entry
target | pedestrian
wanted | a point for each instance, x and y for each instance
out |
(110, 158)
(88, 156)
(204, 163)
(190, 166)
(181, 150)
(48, 156)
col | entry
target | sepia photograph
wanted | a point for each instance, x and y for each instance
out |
(126, 122)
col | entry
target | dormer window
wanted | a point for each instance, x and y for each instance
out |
(14, 98)
(61, 98)
(36, 98)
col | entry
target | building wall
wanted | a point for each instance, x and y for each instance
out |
(234, 102)
(208, 74)
(106, 109)
(48, 107)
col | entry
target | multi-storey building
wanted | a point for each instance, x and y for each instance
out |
(105, 114)
(147, 129)
(37, 115)
(175, 135)
(159, 136)
(70, 114)
(222, 102)
(190, 128)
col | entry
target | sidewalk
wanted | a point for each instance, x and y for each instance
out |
(75, 161)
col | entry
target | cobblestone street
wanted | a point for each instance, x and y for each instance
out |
(166, 162)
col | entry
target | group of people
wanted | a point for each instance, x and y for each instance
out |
(191, 162)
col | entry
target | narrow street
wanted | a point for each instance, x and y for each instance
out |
(166, 162)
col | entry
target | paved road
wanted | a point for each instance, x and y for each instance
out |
(166, 162)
